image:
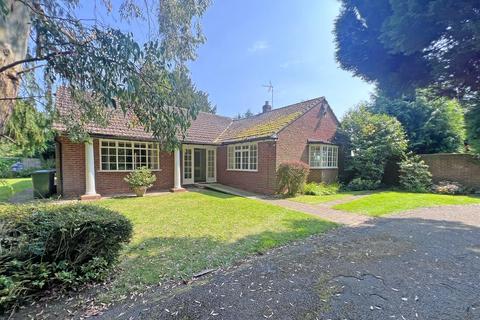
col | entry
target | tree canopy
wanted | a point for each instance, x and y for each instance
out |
(403, 45)
(433, 124)
(104, 67)
(28, 130)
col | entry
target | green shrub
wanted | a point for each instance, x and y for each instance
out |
(43, 247)
(359, 184)
(5, 167)
(414, 174)
(141, 177)
(321, 189)
(292, 177)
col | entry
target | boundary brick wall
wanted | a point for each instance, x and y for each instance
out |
(463, 168)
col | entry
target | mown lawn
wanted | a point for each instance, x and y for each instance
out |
(386, 202)
(309, 199)
(8, 187)
(178, 235)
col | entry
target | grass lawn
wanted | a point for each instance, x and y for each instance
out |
(178, 235)
(13, 186)
(382, 203)
(309, 199)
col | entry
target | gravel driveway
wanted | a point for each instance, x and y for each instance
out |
(422, 264)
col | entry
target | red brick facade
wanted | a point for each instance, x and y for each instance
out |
(261, 181)
(319, 123)
(72, 172)
(291, 144)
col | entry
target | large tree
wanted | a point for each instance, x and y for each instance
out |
(433, 124)
(104, 67)
(402, 45)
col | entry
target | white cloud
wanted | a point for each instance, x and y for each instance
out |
(290, 63)
(259, 45)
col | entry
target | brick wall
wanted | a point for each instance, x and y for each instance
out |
(262, 181)
(463, 168)
(292, 141)
(72, 168)
(325, 175)
(107, 183)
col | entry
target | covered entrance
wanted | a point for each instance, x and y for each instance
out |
(199, 164)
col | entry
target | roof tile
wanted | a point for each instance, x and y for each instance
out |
(207, 128)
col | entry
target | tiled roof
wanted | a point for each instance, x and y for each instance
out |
(268, 124)
(207, 128)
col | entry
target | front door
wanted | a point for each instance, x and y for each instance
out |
(200, 165)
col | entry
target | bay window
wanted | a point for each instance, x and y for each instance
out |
(242, 157)
(118, 155)
(323, 156)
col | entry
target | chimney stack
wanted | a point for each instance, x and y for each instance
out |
(267, 107)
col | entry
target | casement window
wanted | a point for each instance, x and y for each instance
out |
(323, 156)
(118, 155)
(242, 157)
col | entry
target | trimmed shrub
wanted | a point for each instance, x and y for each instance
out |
(450, 187)
(321, 189)
(359, 184)
(49, 246)
(140, 180)
(414, 174)
(292, 177)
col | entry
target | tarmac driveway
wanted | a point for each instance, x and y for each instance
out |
(422, 264)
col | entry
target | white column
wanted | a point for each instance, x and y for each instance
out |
(89, 170)
(177, 170)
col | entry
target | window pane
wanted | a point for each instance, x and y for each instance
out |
(245, 160)
(187, 164)
(253, 157)
(238, 159)
(230, 157)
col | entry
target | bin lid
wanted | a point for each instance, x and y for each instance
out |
(44, 171)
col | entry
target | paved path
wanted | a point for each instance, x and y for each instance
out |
(323, 210)
(422, 264)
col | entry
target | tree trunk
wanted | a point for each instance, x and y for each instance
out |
(14, 32)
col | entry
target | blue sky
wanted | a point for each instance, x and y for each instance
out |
(252, 42)
(288, 42)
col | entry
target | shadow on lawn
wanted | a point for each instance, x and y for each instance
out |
(159, 258)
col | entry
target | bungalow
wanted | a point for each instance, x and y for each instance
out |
(240, 153)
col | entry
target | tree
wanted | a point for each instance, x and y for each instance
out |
(472, 121)
(246, 115)
(104, 67)
(372, 140)
(433, 124)
(28, 129)
(403, 45)
(192, 97)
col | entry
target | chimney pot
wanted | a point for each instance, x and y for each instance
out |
(266, 107)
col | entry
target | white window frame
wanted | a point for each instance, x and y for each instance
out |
(327, 160)
(232, 156)
(133, 153)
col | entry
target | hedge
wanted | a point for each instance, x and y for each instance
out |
(47, 246)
